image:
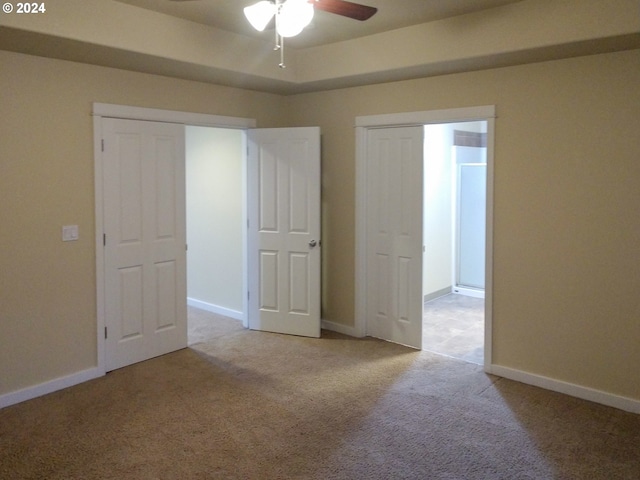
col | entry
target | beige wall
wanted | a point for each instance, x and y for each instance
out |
(567, 191)
(567, 187)
(47, 287)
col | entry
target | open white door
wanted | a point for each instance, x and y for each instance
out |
(284, 230)
(145, 240)
(394, 234)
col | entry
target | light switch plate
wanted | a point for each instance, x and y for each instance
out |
(69, 233)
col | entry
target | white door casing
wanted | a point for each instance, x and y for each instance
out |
(284, 230)
(394, 234)
(145, 240)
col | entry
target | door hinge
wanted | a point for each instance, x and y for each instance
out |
(105, 332)
(102, 144)
(248, 295)
(104, 239)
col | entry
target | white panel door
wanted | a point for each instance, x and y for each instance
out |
(145, 240)
(284, 230)
(394, 234)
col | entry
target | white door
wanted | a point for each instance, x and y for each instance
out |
(284, 230)
(394, 234)
(145, 240)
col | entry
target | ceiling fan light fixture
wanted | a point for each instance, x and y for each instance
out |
(293, 16)
(260, 14)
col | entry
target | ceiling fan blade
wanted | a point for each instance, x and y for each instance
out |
(346, 9)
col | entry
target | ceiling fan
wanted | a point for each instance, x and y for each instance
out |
(339, 7)
(292, 16)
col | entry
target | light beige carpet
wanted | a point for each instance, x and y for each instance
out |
(251, 405)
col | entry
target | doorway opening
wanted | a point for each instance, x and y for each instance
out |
(216, 220)
(454, 228)
(373, 159)
(258, 187)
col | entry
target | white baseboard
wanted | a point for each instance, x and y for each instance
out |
(437, 294)
(209, 307)
(49, 387)
(340, 328)
(585, 393)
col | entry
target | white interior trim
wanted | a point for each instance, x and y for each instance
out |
(597, 396)
(245, 233)
(488, 287)
(363, 124)
(51, 386)
(360, 307)
(99, 196)
(451, 115)
(210, 307)
(170, 116)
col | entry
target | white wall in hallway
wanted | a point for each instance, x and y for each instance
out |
(438, 214)
(214, 159)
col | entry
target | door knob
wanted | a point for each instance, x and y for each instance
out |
(313, 243)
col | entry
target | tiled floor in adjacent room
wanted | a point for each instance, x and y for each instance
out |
(454, 326)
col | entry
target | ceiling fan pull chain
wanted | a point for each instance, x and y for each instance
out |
(276, 45)
(279, 38)
(281, 64)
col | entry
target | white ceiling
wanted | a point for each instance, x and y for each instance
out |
(326, 28)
